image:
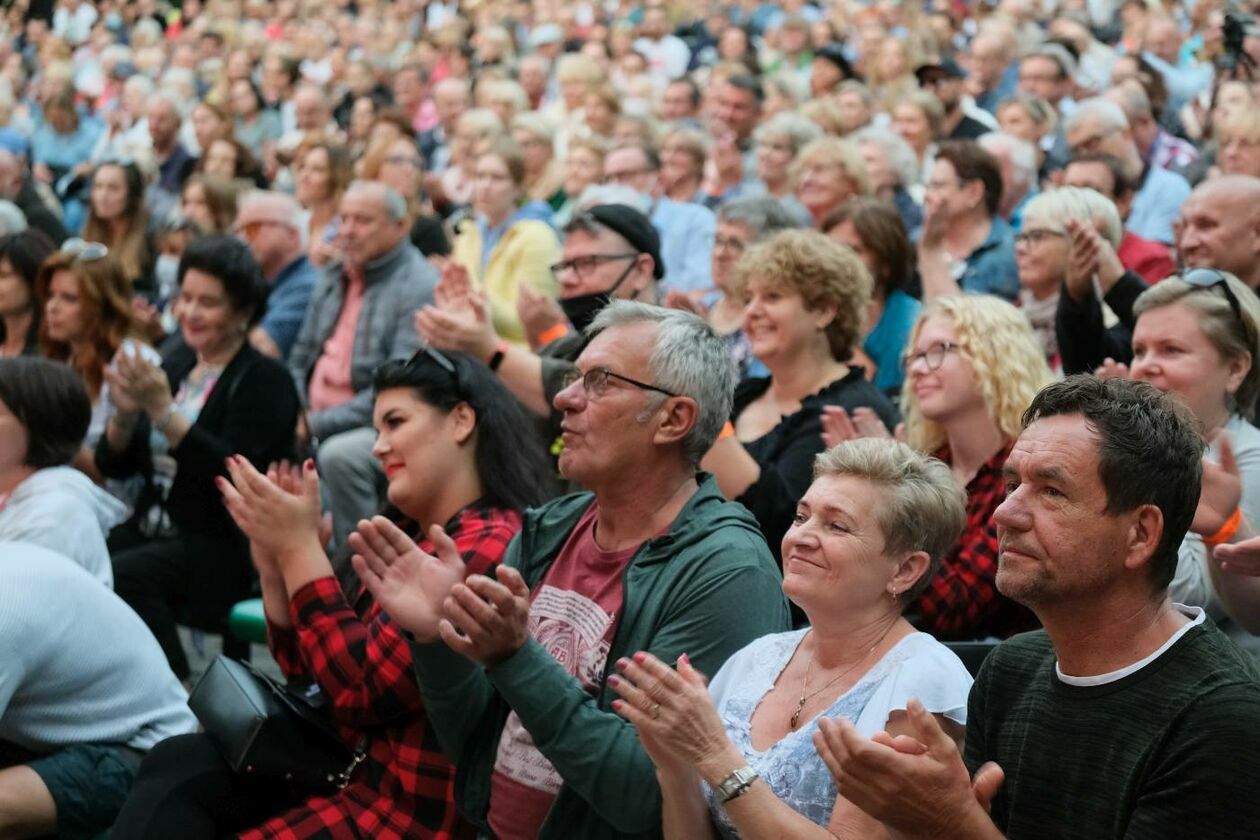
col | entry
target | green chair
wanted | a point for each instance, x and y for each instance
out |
(247, 621)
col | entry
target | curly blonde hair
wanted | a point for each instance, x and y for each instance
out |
(822, 271)
(1008, 360)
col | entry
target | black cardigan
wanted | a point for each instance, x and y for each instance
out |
(1084, 342)
(252, 411)
(786, 453)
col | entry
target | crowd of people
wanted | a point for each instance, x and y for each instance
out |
(820, 419)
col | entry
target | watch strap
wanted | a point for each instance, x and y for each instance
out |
(735, 784)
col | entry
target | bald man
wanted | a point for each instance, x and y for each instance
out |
(1220, 227)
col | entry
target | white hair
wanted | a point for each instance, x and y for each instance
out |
(1108, 115)
(12, 219)
(1020, 153)
(1060, 206)
(597, 194)
(901, 158)
(288, 205)
(798, 130)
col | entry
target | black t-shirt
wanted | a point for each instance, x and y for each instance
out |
(1170, 751)
(968, 129)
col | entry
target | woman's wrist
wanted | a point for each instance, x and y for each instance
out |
(724, 762)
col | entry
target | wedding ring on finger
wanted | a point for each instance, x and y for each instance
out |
(655, 711)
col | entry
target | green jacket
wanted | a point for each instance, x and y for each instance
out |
(706, 588)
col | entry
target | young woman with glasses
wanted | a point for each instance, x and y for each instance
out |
(972, 367)
(462, 464)
(1196, 338)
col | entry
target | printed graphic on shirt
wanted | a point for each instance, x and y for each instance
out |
(574, 630)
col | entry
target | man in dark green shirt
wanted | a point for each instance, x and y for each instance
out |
(1128, 716)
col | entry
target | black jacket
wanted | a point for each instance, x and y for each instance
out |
(252, 411)
(1084, 341)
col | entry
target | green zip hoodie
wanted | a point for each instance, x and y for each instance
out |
(706, 588)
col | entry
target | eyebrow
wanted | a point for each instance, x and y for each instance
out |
(1055, 474)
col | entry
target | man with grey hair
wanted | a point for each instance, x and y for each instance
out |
(516, 670)
(1018, 161)
(1156, 146)
(173, 160)
(1099, 125)
(360, 315)
(17, 185)
(273, 225)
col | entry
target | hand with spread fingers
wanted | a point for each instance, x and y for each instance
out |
(280, 511)
(916, 784)
(487, 620)
(839, 426)
(677, 720)
(136, 384)
(409, 584)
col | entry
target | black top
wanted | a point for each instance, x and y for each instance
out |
(251, 411)
(968, 129)
(786, 453)
(1084, 341)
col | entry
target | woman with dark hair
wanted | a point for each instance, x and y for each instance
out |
(175, 425)
(875, 232)
(226, 157)
(117, 218)
(463, 463)
(508, 243)
(256, 124)
(44, 414)
(20, 257)
(210, 201)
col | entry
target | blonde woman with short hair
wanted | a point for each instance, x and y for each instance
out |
(828, 172)
(973, 366)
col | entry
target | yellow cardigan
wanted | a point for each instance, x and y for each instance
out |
(524, 254)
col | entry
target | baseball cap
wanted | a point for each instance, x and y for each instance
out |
(635, 228)
(946, 67)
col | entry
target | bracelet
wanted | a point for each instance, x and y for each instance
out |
(165, 420)
(551, 334)
(728, 430)
(496, 358)
(1227, 530)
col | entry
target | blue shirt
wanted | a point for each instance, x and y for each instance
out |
(1157, 205)
(687, 232)
(65, 151)
(991, 269)
(287, 302)
(887, 342)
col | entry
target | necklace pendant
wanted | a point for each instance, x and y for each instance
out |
(796, 715)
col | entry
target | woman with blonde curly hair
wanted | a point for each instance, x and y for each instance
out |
(828, 172)
(972, 366)
(806, 298)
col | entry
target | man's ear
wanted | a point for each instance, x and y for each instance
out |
(678, 417)
(1143, 538)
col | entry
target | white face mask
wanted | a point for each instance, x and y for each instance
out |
(166, 271)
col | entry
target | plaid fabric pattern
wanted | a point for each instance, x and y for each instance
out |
(405, 787)
(962, 602)
(1169, 152)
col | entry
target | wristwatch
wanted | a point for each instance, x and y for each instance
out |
(735, 784)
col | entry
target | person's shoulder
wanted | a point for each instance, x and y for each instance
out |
(1021, 654)
(1168, 180)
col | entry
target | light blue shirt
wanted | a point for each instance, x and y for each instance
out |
(1158, 204)
(687, 232)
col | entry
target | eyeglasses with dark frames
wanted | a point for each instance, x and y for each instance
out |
(933, 356)
(581, 265)
(595, 382)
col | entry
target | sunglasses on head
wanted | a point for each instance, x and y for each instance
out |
(83, 250)
(1210, 278)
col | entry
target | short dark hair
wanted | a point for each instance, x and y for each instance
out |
(749, 84)
(1150, 452)
(693, 89)
(1122, 185)
(229, 261)
(514, 469)
(52, 404)
(973, 163)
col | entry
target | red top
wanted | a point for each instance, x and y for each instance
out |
(962, 601)
(1146, 258)
(405, 787)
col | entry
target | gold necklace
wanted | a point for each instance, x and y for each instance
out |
(806, 694)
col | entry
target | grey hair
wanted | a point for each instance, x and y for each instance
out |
(689, 358)
(763, 214)
(1218, 322)
(141, 81)
(395, 204)
(289, 208)
(1019, 152)
(1059, 206)
(612, 194)
(168, 97)
(798, 130)
(922, 507)
(12, 219)
(901, 158)
(536, 125)
(1132, 99)
(1109, 115)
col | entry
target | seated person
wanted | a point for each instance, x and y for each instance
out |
(806, 298)
(972, 367)
(44, 412)
(175, 425)
(463, 465)
(866, 538)
(21, 255)
(84, 693)
(652, 559)
(1128, 715)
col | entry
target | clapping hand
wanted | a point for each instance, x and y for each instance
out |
(459, 318)
(136, 384)
(487, 620)
(839, 426)
(538, 313)
(693, 303)
(408, 583)
(1220, 492)
(279, 512)
(1111, 369)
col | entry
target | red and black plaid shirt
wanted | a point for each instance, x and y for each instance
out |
(962, 602)
(405, 787)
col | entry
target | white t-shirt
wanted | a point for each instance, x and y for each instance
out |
(917, 666)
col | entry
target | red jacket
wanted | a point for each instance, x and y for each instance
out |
(1146, 258)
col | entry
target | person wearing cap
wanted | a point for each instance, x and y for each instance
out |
(828, 69)
(611, 252)
(652, 558)
(944, 78)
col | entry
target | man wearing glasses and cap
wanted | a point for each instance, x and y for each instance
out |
(944, 78)
(611, 251)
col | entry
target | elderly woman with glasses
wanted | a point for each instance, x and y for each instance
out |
(972, 367)
(738, 759)
(174, 425)
(462, 465)
(1197, 337)
(805, 307)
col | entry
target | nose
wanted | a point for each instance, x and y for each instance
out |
(570, 398)
(379, 446)
(1011, 514)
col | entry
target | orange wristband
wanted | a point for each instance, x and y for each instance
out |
(1227, 530)
(551, 334)
(727, 431)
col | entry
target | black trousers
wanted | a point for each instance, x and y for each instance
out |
(185, 789)
(193, 579)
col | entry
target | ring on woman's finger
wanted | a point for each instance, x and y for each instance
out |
(655, 711)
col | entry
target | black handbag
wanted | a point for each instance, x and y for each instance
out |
(269, 730)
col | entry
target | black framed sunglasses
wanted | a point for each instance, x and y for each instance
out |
(427, 354)
(595, 382)
(1210, 278)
